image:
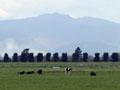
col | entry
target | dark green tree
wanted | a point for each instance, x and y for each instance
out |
(115, 57)
(15, 57)
(97, 57)
(6, 58)
(24, 57)
(31, 57)
(64, 57)
(48, 57)
(105, 57)
(85, 57)
(76, 56)
(40, 57)
(78, 51)
(56, 57)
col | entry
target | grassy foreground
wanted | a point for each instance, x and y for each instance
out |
(108, 76)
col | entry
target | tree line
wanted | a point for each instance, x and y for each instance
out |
(77, 56)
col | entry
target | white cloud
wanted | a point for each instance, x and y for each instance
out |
(3, 13)
(7, 8)
(107, 9)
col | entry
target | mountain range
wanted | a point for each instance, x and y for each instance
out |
(59, 33)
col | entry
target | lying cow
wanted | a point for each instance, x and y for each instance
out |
(21, 73)
(92, 74)
(26, 72)
(40, 71)
(29, 72)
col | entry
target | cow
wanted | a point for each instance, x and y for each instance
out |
(21, 73)
(92, 74)
(40, 71)
(29, 72)
(68, 70)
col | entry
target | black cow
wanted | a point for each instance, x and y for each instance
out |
(92, 74)
(30, 72)
(40, 71)
(21, 73)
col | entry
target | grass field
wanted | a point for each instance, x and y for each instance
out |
(108, 76)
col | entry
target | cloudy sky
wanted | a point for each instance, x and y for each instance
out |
(107, 9)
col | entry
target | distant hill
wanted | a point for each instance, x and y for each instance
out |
(62, 33)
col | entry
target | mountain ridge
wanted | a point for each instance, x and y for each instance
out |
(51, 32)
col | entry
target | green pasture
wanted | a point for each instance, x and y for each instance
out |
(108, 76)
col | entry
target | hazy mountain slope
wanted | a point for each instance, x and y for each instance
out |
(57, 32)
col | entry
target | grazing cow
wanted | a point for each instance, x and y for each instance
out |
(40, 71)
(68, 70)
(30, 72)
(21, 73)
(92, 74)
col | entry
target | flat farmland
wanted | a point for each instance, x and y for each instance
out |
(107, 78)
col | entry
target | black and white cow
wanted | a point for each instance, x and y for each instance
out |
(68, 70)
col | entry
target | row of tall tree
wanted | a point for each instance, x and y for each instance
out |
(77, 56)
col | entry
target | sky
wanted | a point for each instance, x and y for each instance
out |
(106, 9)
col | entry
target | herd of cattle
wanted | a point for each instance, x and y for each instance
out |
(40, 72)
